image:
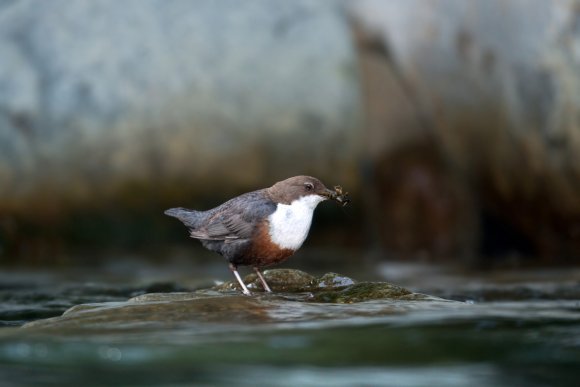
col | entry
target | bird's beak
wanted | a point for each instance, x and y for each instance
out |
(328, 193)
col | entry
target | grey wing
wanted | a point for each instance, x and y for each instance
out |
(235, 220)
(234, 227)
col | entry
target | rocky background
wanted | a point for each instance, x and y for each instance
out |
(455, 125)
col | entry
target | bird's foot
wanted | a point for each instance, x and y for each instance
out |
(263, 280)
(242, 284)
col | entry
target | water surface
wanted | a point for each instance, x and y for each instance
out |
(502, 329)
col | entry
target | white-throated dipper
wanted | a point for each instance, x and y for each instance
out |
(260, 228)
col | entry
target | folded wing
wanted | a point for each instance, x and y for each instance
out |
(235, 219)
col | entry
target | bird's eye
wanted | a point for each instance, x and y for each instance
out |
(308, 186)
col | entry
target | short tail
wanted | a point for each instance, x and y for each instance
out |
(190, 218)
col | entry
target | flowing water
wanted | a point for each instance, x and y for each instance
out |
(495, 329)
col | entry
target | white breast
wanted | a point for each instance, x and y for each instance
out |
(290, 223)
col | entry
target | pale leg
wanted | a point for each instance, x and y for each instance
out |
(263, 280)
(242, 284)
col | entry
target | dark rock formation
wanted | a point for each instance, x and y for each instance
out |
(472, 120)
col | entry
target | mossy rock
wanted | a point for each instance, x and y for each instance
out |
(331, 287)
(366, 291)
(289, 281)
(280, 280)
(226, 304)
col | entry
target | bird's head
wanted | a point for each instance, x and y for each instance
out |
(307, 187)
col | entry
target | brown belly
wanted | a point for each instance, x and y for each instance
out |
(264, 252)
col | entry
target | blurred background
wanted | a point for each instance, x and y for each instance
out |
(454, 125)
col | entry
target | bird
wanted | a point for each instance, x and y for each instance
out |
(260, 228)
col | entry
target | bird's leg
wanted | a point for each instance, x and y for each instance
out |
(242, 284)
(262, 279)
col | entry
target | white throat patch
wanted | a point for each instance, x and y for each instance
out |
(290, 223)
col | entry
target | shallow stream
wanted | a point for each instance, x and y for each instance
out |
(493, 329)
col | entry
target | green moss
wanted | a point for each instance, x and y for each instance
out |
(330, 287)
(362, 291)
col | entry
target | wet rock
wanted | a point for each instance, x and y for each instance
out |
(330, 287)
(165, 297)
(364, 291)
(297, 295)
(332, 281)
(280, 280)
(24, 299)
(291, 281)
(182, 308)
